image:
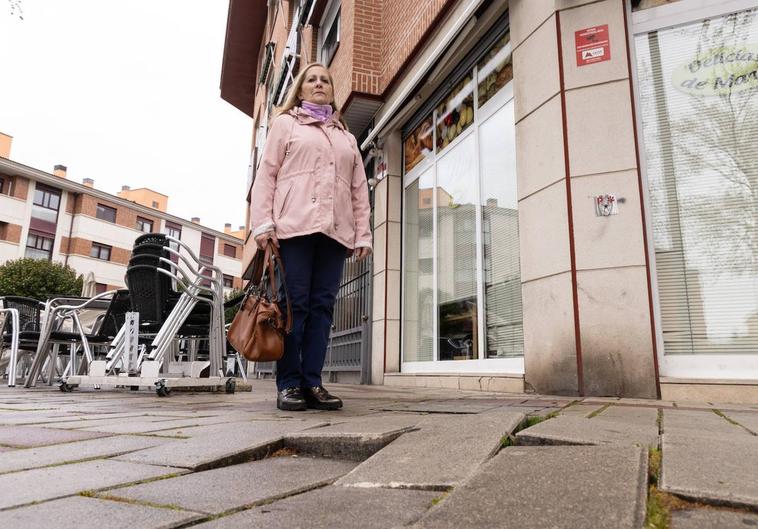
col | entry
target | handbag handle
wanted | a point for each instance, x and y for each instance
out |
(271, 259)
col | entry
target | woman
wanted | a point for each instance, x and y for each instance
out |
(310, 198)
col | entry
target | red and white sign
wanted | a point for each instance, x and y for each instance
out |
(592, 45)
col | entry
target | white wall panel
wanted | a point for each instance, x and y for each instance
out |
(105, 272)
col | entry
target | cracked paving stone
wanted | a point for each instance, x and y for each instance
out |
(711, 518)
(572, 430)
(334, 508)
(585, 486)
(443, 452)
(699, 423)
(92, 513)
(226, 443)
(55, 482)
(222, 489)
(28, 458)
(725, 472)
(451, 406)
(30, 436)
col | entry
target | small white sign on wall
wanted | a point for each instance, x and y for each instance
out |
(606, 205)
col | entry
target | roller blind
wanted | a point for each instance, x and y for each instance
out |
(698, 86)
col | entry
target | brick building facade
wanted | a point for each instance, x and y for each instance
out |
(542, 195)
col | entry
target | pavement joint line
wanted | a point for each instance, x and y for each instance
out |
(598, 412)
(70, 462)
(659, 423)
(730, 420)
(119, 499)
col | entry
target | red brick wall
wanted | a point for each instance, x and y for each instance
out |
(82, 247)
(20, 187)
(367, 46)
(10, 232)
(125, 216)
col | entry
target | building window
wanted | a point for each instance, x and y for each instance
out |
(330, 30)
(100, 251)
(228, 281)
(39, 246)
(175, 231)
(697, 85)
(46, 203)
(106, 213)
(2, 185)
(100, 288)
(144, 225)
(461, 273)
(230, 250)
(155, 204)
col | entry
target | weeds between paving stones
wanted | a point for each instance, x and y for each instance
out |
(598, 412)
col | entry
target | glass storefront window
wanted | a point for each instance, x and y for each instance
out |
(698, 92)
(494, 70)
(461, 274)
(418, 145)
(456, 113)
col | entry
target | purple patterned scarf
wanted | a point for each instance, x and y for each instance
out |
(320, 112)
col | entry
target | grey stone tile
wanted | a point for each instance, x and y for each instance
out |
(550, 487)
(445, 451)
(28, 436)
(747, 419)
(450, 406)
(55, 482)
(699, 422)
(147, 426)
(581, 410)
(630, 415)
(713, 470)
(347, 508)
(27, 458)
(356, 439)
(571, 430)
(223, 489)
(92, 513)
(711, 518)
(228, 443)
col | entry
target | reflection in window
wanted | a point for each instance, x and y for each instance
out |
(699, 100)
(418, 144)
(39, 247)
(456, 253)
(418, 301)
(495, 70)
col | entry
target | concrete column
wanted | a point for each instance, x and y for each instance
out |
(385, 347)
(587, 320)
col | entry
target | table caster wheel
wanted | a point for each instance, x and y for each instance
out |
(231, 386)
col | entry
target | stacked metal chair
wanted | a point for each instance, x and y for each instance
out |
(19, 332)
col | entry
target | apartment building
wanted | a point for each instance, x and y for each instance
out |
(565, 190)
(47, 216)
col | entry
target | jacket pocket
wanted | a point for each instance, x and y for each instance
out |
(281, 200)
(343, 214)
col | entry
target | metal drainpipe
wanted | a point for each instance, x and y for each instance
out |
(71, 227)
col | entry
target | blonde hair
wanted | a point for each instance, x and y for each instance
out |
(293, 94)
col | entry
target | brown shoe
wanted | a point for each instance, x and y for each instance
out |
(290, 399)
(319, 398)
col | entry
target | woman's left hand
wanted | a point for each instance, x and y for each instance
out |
(361, 253)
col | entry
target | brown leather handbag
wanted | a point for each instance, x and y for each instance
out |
(257, 331)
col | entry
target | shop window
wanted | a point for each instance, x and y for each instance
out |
(456, 113)
(640, 5)
(106, 213)
(330, 30)
(698, 88)
(494, 71)
(461, 275)
(39, 246)
(100, 251)
(144, 225)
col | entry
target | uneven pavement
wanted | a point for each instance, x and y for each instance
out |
(391, 458)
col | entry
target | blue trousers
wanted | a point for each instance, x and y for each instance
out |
(313, 269)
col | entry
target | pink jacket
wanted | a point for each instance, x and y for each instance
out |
(311, 179)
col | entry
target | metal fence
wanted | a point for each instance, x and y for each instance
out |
(350, 340)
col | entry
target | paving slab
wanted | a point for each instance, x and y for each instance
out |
(699, 423)
(442, 453)
(346, 508)
(355, 440)
(148, 426)
(721, 471)
(630, 415)
(56, 482)
(550, 487)
(227, 444)
(93, 513)
(711, 518)
(748, 420)
(29, 436)
(581, 410)
(571, 430)
(450, 406)
(224, 489)
(28, 458)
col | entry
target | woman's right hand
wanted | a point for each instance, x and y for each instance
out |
(261, 239)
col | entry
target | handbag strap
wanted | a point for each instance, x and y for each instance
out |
(274, 259)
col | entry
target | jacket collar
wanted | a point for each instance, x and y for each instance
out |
(304, 118)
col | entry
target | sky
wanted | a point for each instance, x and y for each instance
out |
(127, 93)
